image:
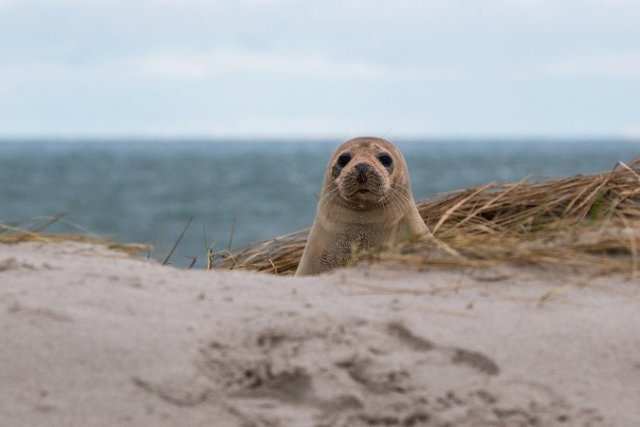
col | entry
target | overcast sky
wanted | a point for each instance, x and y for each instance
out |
(446, 68)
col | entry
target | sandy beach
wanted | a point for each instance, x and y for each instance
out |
(93, 337)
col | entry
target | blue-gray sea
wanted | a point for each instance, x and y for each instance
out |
(145, 191)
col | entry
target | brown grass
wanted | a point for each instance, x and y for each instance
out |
(11, 235)
(588, 221)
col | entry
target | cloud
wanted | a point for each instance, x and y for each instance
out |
(227, 61)
(268, 125)
(322, 125)
(167, 66)
(623, 65)
(632, 132)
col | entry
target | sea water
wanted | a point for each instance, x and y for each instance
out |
(241, 191)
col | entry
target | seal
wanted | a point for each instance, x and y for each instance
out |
(366, 202)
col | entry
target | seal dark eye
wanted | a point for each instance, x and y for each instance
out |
(344, 159)
(386, 160)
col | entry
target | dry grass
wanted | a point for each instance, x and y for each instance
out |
(584, 221)
(11, 235)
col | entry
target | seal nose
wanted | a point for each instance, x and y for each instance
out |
(362, 169)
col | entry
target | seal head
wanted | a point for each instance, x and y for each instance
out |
(366, 201)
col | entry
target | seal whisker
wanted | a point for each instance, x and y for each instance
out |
(327, 194)
(327, 198)
(405, 202)
(398, 202)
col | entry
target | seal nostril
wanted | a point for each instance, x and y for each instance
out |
(362, 168)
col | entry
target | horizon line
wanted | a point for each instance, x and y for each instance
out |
(310, 138)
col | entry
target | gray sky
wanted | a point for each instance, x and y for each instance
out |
(171, 68)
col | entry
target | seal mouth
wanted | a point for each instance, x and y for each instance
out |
(363, 195)
(367, 192)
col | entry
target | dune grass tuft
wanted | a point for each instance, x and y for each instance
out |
(35, 233)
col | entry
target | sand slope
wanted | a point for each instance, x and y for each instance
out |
(93, 338)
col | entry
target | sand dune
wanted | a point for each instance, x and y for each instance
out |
(91, 337)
